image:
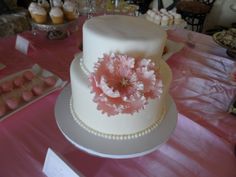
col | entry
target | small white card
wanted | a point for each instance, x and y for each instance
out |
(55, 166)
(22, 44)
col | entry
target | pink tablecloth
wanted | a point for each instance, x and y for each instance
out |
(201, 145)
(201, 84)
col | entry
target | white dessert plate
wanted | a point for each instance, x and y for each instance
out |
(102, 147)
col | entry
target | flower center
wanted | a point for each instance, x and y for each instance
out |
(124, 82)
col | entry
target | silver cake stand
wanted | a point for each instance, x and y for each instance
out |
(59, 31)
(116, 149)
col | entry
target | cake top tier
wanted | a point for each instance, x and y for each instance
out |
(132, 36)
(123, 27)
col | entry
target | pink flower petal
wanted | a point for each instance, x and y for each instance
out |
(108, 90)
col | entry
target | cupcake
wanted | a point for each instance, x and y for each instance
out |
(56, 15)
(31, 8)
(39, 14)
(70, 10)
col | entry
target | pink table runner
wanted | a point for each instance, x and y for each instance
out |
(194, 149)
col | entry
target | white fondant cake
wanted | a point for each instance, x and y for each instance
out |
(123, 34)
(131, 36)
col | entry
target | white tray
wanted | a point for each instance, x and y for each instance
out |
(117, 149)
(2, 66)
(38, 71)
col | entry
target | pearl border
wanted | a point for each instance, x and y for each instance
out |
(115, 136)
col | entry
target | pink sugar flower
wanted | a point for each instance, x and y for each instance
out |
(123, 84)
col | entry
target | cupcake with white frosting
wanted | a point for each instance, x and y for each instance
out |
(70, 10)
(39, 14)
(56, 15)
(31, 8)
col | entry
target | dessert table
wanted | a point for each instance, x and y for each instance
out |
(202, 143)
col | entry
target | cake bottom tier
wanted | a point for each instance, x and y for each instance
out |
(122, 126)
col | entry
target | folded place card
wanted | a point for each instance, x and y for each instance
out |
(22, 44)
(55, 166)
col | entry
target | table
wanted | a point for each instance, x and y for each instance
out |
(201, 79)
(201, 145)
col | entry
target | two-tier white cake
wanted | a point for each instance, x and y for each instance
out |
(121, 54)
